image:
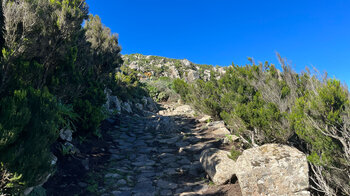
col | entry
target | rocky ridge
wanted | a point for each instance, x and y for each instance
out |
(156, 66)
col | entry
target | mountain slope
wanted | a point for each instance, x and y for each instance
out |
(157, 66)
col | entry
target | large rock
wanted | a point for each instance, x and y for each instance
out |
(273, 169)
(183, 110)
(149, 104)
(205, 118)
(218, 128)
(66, 135)
(218, 166)
(112, 103)
(206, 76)
(192, 75)
(138, 106)
(186, 62)
(174, 73)
(216, 124)
(221, 132)
(126, 107)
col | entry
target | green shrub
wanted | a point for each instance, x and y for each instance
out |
(234, 154)
(264, 105)
(181, 87)
(52, 76)
(126, 85)
(26, 150)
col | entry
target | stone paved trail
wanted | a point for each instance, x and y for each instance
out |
(150, 160)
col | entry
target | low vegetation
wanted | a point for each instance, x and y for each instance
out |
(264, 105)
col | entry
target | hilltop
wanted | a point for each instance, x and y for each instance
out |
(173, 68)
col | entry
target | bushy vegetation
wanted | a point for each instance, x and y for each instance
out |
(264, 105)
(52, 76)
(161, 89)
(127, 86)
(168, 67)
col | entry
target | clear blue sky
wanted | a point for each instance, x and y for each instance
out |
(307, 32)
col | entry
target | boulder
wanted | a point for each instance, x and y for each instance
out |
(218, 128)
(151, 105)
(273, 169)
(134, 65)
(206, 76)
(192, 75)
(229, 139)
(126, 107)
(216, 124)
(183, 110)
(221, 71)
(221, 132)
(174, 73)
(218, 165)
(138, 106)
(205, 118)
(112, 103)
(66, 134)
(186, 62)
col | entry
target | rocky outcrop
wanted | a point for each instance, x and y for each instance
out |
(229, 139)
(184, 109)
(66, 135)
(218, 165)
(205, 118)
(173, 68)
(218, 128)
(149, 104)
(273, 169)
(112, 104)
(174, 73)
(186, 62)
(126, 107)
(192, 75)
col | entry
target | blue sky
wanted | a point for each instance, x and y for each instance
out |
(308, 33)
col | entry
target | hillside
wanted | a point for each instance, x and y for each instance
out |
(79, 118)
(172, 68)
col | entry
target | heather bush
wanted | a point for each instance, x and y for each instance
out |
(126, 85)
(265, 105)
(161, 89)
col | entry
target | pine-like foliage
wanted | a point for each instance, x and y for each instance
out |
(53, 73)
(264, 105)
